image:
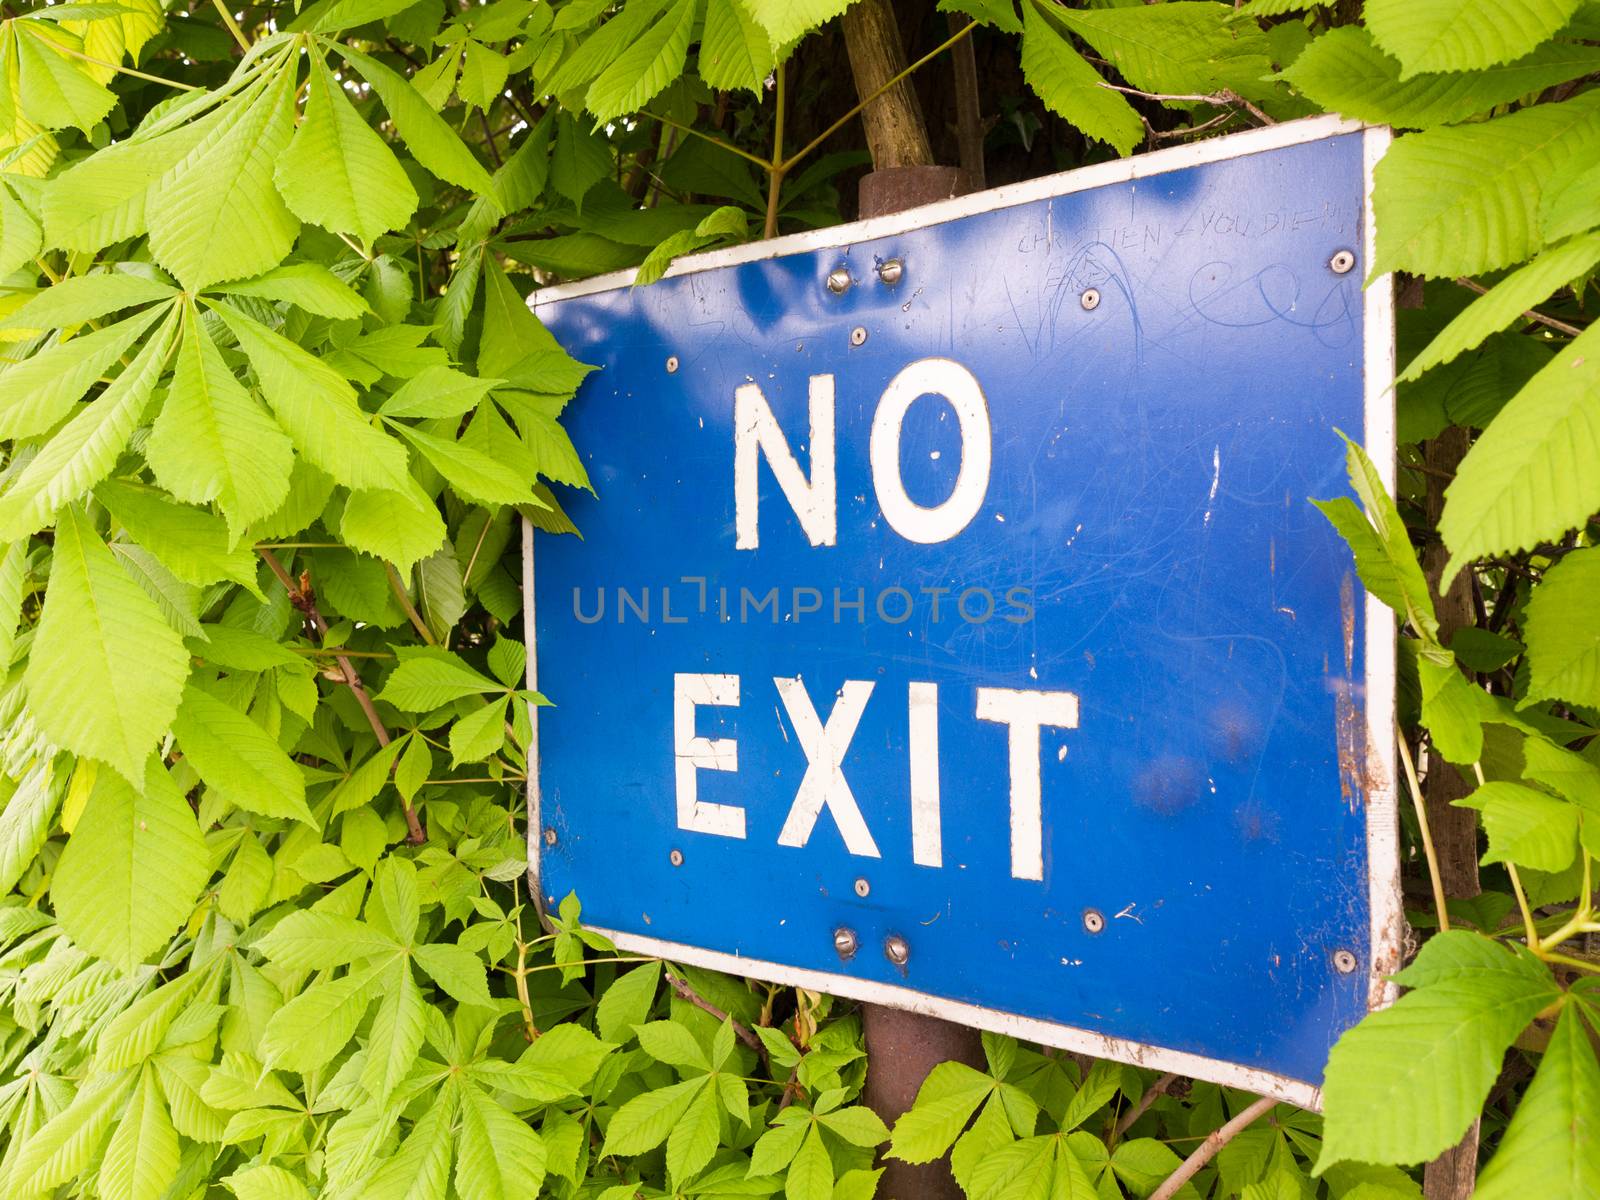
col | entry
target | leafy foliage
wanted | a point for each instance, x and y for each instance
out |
(273, 406)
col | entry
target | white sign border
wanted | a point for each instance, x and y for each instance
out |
(1378, 785)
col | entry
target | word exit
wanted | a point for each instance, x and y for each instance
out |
(826, 739)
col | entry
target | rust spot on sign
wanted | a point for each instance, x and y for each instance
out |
(1349, 726)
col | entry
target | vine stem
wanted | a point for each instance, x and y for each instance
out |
(1207, 1150)
(303, 599)
(789, 162)
(121, 70)
(397, 585)
(764, 164)
(233, 26)
(775, 172)
(1152, 1094)
(743, 1033)
(1529, 926)
(1531, 314)
(1427, 835)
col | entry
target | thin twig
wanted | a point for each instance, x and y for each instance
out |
(121, 70)
(302, 597)
(1223, 97)
(1207, 1150)
(742, 1032)
(1473, 285)
(705, 137)
(1427, 836)
(1155, 1091)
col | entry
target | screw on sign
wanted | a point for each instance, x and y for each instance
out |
(1170, 748)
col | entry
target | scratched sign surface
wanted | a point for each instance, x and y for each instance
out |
(952, 627)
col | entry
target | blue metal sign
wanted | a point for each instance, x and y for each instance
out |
(951, 627)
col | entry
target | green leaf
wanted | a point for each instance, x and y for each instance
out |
(858, 1125)
(693, 1139)
(644, 1122)
(787, 20)
(810, 1175)
(1427, 1061)
(438, 392)
(84, 298)
(1535, 471)
(141, 1160)
(777, 1147)
(318, 409)
(1381, 544)
(1562, 629)
(190, 542)
(431, 142)
(105, 670)
(213, 441)
(199, 211)
(238, 759)
(266, 1183)
(39, 391)
(1463, 35)
(1184, 46)
(132, 868)
(421, 1169)
(1552, 1147)
(1466, 199)
(648, 64)
(479, 734)
(500, 1157)
(427, 679)
(1508, 300)
(735, 53)
(1574, 776)
(1345, 72)
(83, 452)
(311, 940)
(1097, 1089)
(483, 76)
(945, 1102)
(69, 1141)
(26, 820)
(306, 285)
(474, 475)
(1525, 826)
(669, 1042)
(400, 526)
(459, 973)
(627, 1002)
(308, 1031)
(55, 89)
(1069, 86)
(1002, 14)
(337, 172)
(397, 1029)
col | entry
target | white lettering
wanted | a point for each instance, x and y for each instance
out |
(824, 784)
(941, 377)
(1024, 712)
(695, 753)
(756, 431)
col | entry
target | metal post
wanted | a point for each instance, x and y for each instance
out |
(902, 1047)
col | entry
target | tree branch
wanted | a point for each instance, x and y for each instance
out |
(742, 1032)
(304, 599)
(1207, 1150)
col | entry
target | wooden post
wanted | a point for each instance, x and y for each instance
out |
(902, 1047)
(1453, 1175)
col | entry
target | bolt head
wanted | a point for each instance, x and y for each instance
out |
(892, 271)
(1093, 920)
(845, 942)
(1090, 299)
(839, 280)
(858, 336)
(1342, 262)
(676, 858)
(1344, 962)
(862, 887)
(896, 950)
(549, 837)
(672, 364)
